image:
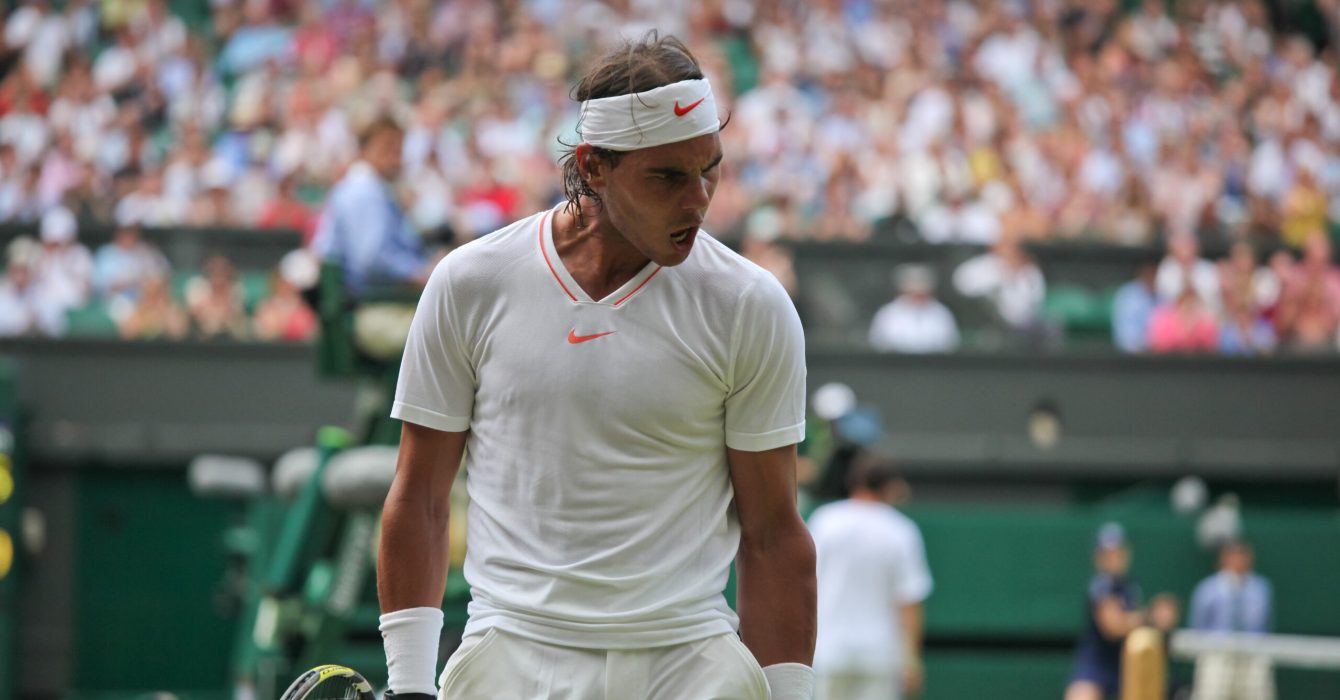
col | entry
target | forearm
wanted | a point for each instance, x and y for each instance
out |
(412, 558)
(913, 623)
(776, 596)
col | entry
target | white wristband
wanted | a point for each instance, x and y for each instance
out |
(790, 681)
(411, 637)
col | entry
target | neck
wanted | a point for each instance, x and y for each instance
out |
(865, 496)
(595, 253)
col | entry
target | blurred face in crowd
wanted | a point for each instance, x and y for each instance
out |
(127, 237)
(1242, 258)
(1236, 558)
(383, 152)
(1183, 248)
(658, 197)
(1317, 250)
(19, 276)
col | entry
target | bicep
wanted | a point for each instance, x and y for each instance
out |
(765, 490)
(427, 463)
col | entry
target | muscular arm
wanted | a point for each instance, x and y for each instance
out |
(1114, 621)
(412, 559)
(775, 564)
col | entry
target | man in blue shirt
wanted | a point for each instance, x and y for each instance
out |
(1234, 599)
(1113, 611)
(363, 226)
(1131, 309)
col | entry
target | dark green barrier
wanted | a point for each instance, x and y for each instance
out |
(149, 564)
(1008, 576)
(1021, 572)
(11, 489)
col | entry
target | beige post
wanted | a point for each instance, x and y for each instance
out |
(1144, 666)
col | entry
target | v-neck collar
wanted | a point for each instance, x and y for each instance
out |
(569, 285)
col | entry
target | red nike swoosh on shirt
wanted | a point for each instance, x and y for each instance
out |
(574, 339)
(681, 111)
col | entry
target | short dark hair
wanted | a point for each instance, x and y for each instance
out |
(634, 66)
(376, 127)
(873, 476)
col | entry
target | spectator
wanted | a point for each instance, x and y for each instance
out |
(286, 211)
(214, 205)
(1304, 210)
(960, 220)
(914, 322)
(1007, 277)
(1243, 283)
(1184, 324)
(284, 315)
(1113, 611)
(214, 301)
(1244, 330)
(123, 266)
(1183, 267)
(21, 312)
(156, 316)
(1235, 599)
(363, 228)
(762, 228)
(63, 269)
(1132, 310)
(1308, 314)
(873, 583)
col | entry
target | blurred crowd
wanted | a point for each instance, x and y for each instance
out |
(1182, 303)
(1055, 119)
(55, 286)
(969, 121)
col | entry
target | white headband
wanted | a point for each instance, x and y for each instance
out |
(670, 114)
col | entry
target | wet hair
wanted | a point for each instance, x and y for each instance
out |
(635, 66)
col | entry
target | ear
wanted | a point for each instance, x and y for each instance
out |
(592, 169)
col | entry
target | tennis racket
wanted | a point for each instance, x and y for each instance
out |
(330, 682)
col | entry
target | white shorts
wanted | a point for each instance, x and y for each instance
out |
(498, 665)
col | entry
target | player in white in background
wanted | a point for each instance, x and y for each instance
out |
(873, 580)
(631, 393)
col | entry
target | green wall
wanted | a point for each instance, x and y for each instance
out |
(1016, 577)
(149, 569)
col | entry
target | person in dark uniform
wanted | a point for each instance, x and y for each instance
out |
(1113, 611)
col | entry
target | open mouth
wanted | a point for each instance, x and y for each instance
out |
(682, 235)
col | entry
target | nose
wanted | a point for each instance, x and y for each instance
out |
(700, 194)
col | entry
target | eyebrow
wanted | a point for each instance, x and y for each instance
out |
(671, 170)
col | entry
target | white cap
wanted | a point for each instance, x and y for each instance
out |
(58, 226)
(833, 401)
(300, 268)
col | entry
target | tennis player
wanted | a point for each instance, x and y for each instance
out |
(629, 393)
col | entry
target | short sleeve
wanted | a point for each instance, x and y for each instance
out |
(914, 583)
(1101, 587)
(765, 406)
(436, 388)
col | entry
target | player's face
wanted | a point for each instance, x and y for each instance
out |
(658, 197)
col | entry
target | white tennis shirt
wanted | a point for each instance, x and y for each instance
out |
(601, 510)
(871, 561)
